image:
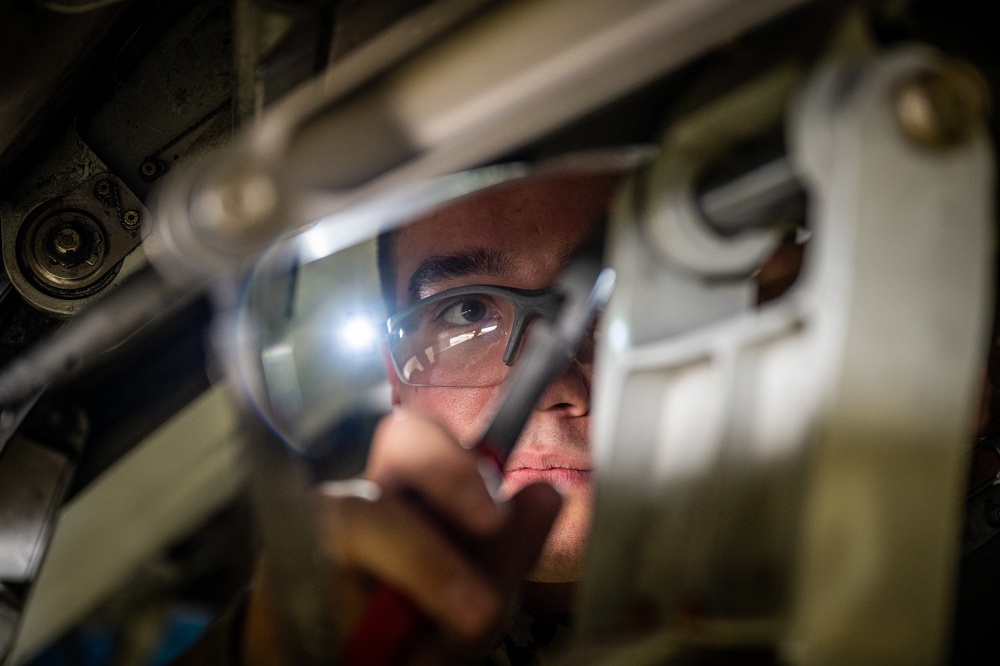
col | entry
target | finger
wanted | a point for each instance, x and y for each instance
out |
(413, 454)
(397, 544)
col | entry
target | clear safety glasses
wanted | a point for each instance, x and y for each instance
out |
(466, 336)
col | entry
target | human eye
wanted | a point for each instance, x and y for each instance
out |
(467, 310)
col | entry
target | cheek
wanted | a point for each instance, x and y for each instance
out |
(465, 412)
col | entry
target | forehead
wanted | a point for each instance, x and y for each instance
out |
(530, 228)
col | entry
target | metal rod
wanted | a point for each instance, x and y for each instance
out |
(752, 199)
(144, 299)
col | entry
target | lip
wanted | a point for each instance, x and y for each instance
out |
(561, 478)
(563, 472)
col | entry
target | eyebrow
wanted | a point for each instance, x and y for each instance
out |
(478, 261)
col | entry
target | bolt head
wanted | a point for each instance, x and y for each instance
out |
(67, 241)
(942, 107)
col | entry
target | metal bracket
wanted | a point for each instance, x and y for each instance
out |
(34, 476)
(63, 249)
(789, 476)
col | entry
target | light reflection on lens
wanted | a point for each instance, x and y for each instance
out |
(459, 339)
(411, 366)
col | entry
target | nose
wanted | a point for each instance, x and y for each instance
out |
(569, 394)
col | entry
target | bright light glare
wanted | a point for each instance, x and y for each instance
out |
(358, 333)
(618, 335)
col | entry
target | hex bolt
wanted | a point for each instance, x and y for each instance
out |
(67, 241)
(130, 219)
(103, 188)
(942, 107)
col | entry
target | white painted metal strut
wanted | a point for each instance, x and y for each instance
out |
(791, 476)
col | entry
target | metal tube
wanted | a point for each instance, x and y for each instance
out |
(518, 72)
(752, 199)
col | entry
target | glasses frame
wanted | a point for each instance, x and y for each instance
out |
(528, 303)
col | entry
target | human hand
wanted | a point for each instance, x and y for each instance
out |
(433, 532)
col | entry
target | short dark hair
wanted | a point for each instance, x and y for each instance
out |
(385, 251)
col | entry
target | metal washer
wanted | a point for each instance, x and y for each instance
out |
(64, 250)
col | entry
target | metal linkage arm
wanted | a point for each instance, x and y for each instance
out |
(789, 477)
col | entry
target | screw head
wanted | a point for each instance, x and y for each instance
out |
(130, 219)
(942, 107)
(150, 169)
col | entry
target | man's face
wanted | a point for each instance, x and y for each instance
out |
(520, 236)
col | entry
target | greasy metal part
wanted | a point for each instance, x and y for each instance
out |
(255, 32)
(65, 251)
(10, 614)
(367, 38)
(36, 81)
(12, 414)
(509, 77)
(35, 470)
(172, 96)
(33, 479)
(982, 517)
(71, 192)
(185, 472)
(942, 107)
(301, 53)
(138, 303)
(788, 477)
(246, 198)
(4, 283)
(505, 78)
(368, 43)
(76, 6)
(72, 245)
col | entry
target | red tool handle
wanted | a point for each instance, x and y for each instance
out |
(387, 632)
